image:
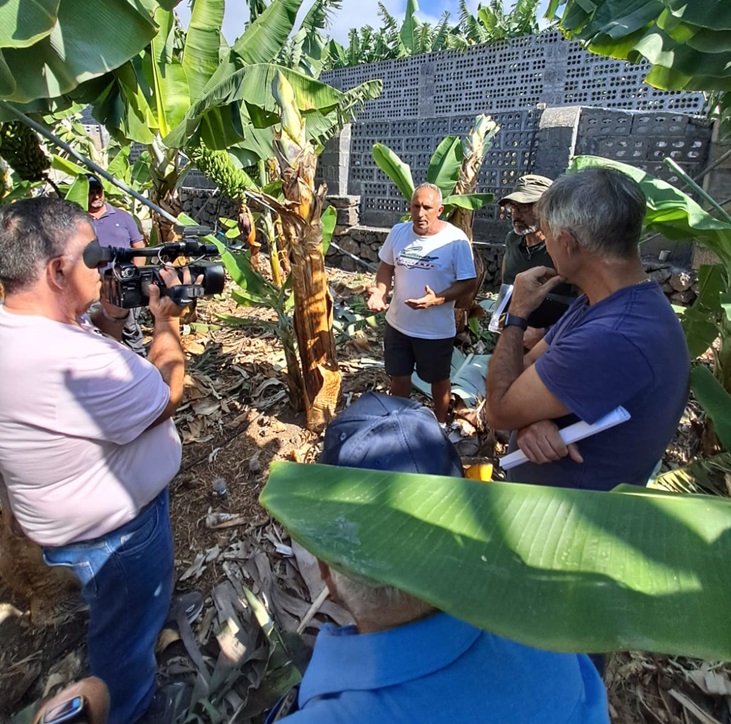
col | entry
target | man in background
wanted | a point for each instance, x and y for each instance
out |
(115, 227)
(525, 244)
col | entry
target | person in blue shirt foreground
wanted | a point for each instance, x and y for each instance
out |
(403, 660)
(619, 343)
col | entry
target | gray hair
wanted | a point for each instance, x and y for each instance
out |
(602, 208)
(367, 599)
(431, 187)
(32, 232)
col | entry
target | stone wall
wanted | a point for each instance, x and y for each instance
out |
(206, 206)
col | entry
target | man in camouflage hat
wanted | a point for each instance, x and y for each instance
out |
(525, 245)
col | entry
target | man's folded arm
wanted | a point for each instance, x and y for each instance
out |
(516, 396)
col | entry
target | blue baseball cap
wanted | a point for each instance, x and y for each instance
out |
(93, 180)
(382, 432)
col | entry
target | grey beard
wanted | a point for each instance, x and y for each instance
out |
(526, 231)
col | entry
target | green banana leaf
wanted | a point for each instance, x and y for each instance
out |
(660, 49)
(409, 28)
(253, 286)
(46, 53)
(252, 85)
(262, 41)
(79, 192)
(671, 212)
(686, 43)
(554, 568)
(471, 202)
(328, 220)
(445, 164)
(119, 165)
(398, 171)
(202, 44)
(23, 23)
(714, 400)
(700, 322)
(65, 165)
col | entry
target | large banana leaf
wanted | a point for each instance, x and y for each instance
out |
(24, 22)
(398, 171)
(46, 52)
(686, 42)
(671, 212)
(263, 39)
(560, 569)
(445, 164)
(202, 44)
(251, 86)
(165, 76)
(700, 322)
(714, 400)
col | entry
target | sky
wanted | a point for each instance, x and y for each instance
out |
(353, 14)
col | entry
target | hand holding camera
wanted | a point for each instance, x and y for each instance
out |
(126, 286)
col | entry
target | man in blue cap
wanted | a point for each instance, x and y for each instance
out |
(404, 660)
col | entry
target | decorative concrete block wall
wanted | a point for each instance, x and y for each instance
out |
(539, 88)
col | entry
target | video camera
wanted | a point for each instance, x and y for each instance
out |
(126, 285)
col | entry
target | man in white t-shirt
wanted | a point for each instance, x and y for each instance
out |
(429, 263)
(87, 442)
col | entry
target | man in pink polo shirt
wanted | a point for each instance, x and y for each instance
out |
(87, 441)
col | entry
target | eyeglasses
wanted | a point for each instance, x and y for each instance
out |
(513, 206)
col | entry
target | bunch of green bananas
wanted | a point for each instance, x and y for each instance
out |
(19, 146)
(219, 167)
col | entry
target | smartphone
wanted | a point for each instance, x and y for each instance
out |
(67, 711)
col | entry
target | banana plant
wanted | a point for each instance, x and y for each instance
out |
(677, 216)
(443, 171)
(554, 568)
(301, 218)
(175, 99)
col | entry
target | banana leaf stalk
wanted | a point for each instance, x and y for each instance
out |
(475, 146)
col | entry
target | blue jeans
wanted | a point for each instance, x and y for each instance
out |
(127, 581)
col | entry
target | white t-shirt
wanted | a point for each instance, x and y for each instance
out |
(438, 260)
(75, 451)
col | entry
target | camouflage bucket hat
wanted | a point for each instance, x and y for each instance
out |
(528, 190)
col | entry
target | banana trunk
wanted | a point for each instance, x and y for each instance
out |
(313, 316)
(474, 147)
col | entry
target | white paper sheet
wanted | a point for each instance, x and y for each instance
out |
(573, 433)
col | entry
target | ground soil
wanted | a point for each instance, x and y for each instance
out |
(236, 419)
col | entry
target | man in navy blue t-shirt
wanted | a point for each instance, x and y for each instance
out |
(618, 344)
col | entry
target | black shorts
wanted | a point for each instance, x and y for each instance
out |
(431, 357)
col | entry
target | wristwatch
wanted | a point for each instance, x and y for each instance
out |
(512, 320)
